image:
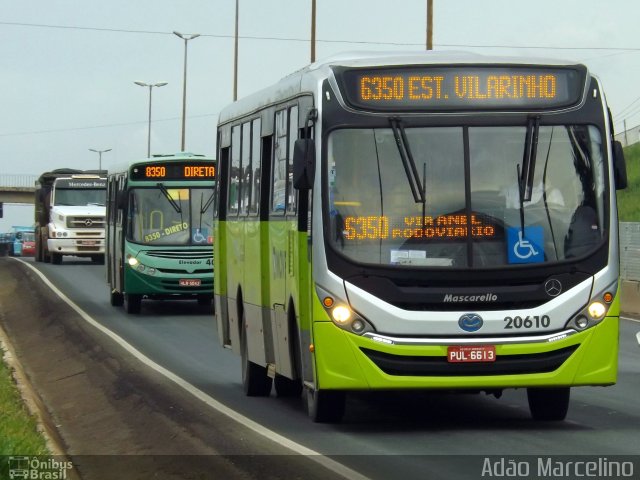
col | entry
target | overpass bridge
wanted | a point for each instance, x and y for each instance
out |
(17, 188)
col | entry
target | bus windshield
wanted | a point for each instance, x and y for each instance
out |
(171, 216)
(472, 213)
(80, 196)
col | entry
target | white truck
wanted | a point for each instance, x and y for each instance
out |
(70, 215)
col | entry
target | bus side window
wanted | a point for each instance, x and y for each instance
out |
(245, 169)
(254, 195)
(279, 177)
(234, 173)
(292, 133)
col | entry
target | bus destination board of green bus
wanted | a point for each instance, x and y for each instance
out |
(462, 88)
(173, 171)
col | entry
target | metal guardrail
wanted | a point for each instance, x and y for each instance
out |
(18, 181)
(630, 251)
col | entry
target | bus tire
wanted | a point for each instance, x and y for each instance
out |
(549, 404)
(291, 387)
(56, 258)
(326, 406)
(255, 381)
(133, 303)
(204, 299)
(286, 387)
(117, 299)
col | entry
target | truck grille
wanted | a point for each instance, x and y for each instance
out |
(85, 222)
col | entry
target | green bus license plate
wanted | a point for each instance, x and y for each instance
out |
(189, 282)
(471, 353)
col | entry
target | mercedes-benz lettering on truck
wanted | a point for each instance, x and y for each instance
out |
(69, 214)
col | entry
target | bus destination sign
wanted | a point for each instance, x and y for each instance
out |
(460, 88)
(174, 171)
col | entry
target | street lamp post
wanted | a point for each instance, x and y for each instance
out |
(186, 38)
(100, 152)
(150, 85)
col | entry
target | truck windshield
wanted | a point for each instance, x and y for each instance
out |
(473, 214)
(80, 197)
(170, 216)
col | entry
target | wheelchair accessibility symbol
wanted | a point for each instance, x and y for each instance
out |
(198, 237)
(527, 246)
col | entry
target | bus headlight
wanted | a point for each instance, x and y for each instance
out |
(595, 311)
(139, 267)
(342, 315)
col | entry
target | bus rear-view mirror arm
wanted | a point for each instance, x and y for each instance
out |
(304, 163)
(619, 166)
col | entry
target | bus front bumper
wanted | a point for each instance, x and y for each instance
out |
(163, 285)
(346, 361)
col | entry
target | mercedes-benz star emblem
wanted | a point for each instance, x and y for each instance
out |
(88, 222)
(553, 287)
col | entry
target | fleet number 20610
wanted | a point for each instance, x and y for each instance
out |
(530, 321)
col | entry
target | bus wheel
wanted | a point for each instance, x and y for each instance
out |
(326, 406)
(133, 303)
(255, 381)
(56, 258)
(285, 387)
(117, 299)
(550, 404)
(204, 300)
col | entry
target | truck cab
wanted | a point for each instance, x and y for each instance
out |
(70, 215)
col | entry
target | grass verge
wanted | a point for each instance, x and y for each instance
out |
(18, 428)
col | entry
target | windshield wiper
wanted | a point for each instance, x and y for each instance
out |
(173, 203)
(525, 175)
(207, 204)
(417, 189)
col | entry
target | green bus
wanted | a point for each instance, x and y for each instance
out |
(420, 221)
(160, 230)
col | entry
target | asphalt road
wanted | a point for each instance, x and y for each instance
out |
(382, 435)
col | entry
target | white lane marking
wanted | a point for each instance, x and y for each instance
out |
(326, 462)
(630, 319)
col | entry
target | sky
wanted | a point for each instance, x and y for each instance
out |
(69, 66)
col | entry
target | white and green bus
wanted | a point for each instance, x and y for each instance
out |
(160, 230)
(420, 221)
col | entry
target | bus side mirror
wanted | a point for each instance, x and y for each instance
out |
(619, 166)
(304, 163)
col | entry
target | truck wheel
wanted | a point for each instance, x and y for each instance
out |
(99, 259)
(133, 303)
(548, 404)
(56, 258)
